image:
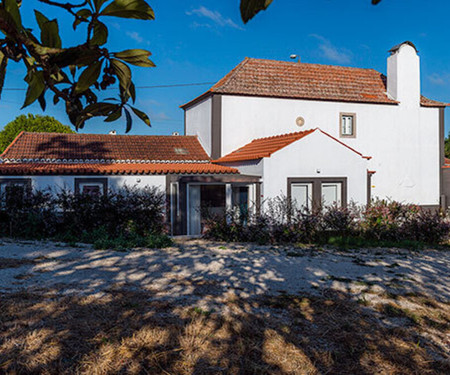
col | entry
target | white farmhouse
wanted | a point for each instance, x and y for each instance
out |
(318, 134)
(384, 118)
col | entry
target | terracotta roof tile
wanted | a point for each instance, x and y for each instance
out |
(112, 169)
(265, 147)
(271, 78)
(83, 147)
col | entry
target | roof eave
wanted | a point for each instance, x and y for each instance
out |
(198, 99)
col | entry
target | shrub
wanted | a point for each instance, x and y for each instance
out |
(382, 223)
(128, 217)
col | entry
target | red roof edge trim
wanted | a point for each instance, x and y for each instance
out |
(12, 143)
(342, 143)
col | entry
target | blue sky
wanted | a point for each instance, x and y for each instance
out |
(200, 41)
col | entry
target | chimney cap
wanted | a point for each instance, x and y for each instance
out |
(397, 47)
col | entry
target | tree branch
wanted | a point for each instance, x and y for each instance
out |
(67, 6)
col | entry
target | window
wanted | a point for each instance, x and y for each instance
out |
(348, 125)
(301, 195)
(331, 194)
(11, 188)
(91, 186)
(315, 193)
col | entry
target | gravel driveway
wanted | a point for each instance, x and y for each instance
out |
(201, 270)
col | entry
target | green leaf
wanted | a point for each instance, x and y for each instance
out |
(100, 35)
(93, 110)
(42, 102)
(123, 73)
(88, 77)
(49, 31)
(98, 4)
(129, 120)
(249, 8)
(36, 87)
(3, 64)
(77, 56)
(114, 116)
(137, 9)
(82, 16)
(141, 115)
(12, 8)
(138, 57)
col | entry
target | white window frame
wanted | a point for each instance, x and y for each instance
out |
(342, 132)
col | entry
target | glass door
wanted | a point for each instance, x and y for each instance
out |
(194, 227)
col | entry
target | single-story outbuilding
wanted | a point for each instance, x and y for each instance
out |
(292, 164)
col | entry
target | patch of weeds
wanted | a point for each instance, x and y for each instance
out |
(200, 311)
(222, 247)
(392, 310)
(363, 301)
(294, 254)
(123, 243)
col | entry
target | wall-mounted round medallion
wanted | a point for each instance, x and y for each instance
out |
(300, 121)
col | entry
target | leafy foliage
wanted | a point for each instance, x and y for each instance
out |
(128, 217)
(382, 222)
(447, 147)
(30, 123)
(249, 8)
(75, 75)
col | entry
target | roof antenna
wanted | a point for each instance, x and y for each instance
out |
(294, 56)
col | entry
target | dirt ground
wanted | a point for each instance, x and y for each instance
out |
(211, 308)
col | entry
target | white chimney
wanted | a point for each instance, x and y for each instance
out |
(403, 74)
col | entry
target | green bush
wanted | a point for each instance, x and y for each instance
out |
(382, 223)
(121, 219)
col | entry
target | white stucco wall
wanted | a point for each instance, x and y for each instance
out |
(198, 122)
(403, 140)
(114, 182)
(310, 154)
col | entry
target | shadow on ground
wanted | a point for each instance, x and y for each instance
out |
(130, 332)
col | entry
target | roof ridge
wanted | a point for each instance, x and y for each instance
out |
(225, 80)
(12, 143)
(311, 64)
(110, 135)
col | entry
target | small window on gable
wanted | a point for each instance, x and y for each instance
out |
(347, 125)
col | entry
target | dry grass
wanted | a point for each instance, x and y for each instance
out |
(127, 332)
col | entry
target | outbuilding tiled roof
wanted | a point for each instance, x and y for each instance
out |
(284, 79)
(112, 169)
(265, 147)
(56, 147)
